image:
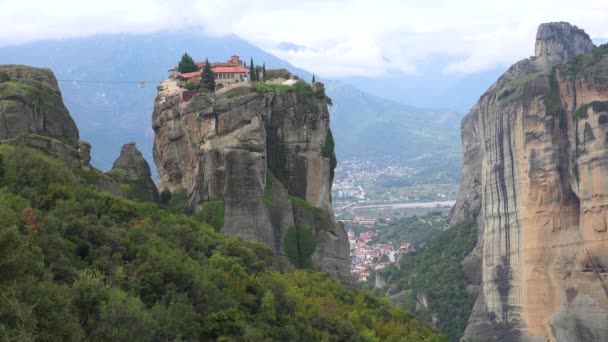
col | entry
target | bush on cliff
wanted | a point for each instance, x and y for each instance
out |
(212, 213)
(299, 244)
(82, 265)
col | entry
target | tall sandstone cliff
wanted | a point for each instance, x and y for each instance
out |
(534, 180)
(264, 154)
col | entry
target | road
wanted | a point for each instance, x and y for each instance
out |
(352, 207)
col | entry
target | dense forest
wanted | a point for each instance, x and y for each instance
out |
(77, 264)
(413, 229)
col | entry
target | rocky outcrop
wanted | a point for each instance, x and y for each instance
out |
(560, 42)
(535, 159)
(30, 103)
(132, 172)
(262, 151)
(32, 114)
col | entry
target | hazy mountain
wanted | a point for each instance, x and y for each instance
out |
(430, 86)
(98, 77)
(369, 127)
(111, 114)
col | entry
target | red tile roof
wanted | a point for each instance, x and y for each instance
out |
(190, 74)
(230, 70)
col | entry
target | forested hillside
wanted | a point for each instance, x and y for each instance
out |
(81, 265)
(432, 282)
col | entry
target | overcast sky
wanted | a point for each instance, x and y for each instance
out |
(342, 37)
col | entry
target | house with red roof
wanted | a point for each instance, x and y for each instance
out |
(225, 73)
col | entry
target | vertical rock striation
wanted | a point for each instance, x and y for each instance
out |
(535, 158)
(262, 153)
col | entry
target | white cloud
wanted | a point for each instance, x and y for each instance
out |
(344, 38)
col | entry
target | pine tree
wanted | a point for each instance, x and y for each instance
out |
(313, 79)
(252, 71)
(207, 77)
(186, 64)
(264, 72)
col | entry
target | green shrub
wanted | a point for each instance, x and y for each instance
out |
(303, 90)
(4, 77)
(165, 196)
(190, 86)
(178, 202)
(212, 213)
(581, 112)
(90, 177)
(328, 148)
(299, 244)
(115, 208)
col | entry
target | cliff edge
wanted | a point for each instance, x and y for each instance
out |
(535, 158)
(264, 154)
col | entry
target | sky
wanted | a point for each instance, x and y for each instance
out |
(333, 38)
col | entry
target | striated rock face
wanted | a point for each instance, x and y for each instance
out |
(30, 102)
(560, 42)
(535, 159)
(264, 154)
(133, 174)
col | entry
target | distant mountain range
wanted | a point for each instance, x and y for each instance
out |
(98, 76)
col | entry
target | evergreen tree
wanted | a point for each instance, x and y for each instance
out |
(264, 72)
(313, 79)
(207, 77)
(186, 64)
(252, 71)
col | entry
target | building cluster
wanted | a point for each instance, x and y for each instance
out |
(366, 257)
(231, 71)
(353, 172)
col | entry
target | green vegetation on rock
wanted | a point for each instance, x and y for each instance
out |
(581, 112)
(177, 202)
(328, 148)
(212, 213)
(79, 265)
(553, 102)
(299, 244)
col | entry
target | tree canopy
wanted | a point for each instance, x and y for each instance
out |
(207, 77)
(77, 264)
(186, 64)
